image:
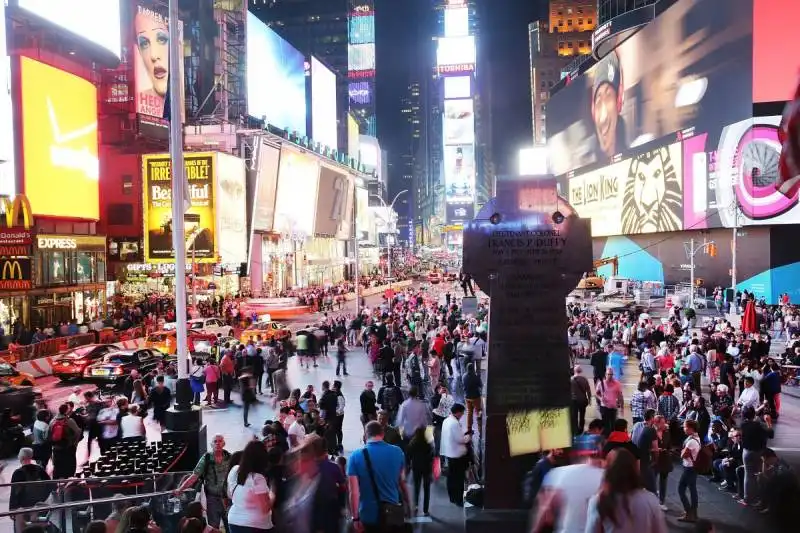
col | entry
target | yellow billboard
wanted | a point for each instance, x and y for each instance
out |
(59, 136)
(641, 194)
(200, 219)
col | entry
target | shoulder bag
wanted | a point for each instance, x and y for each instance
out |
(390, 515)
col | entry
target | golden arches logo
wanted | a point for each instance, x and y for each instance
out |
(9, 269)
(13, 208)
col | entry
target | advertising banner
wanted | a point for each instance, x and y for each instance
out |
(739, 174)
(654, 86)
(8, 179)
(97, 21)
(266, 162)
(457, 87)
(362, 29)
(231, 209)
(774, 74)
(459, 122)
(361, 57)
(360, 92)
(456, 22)
(334, 204)
(353, 137)
(459, 174)
(276, 81)
(200, 220)
(151, 58)
(362, 211)
(455, 50)
(15, 273)
(643, 194)
(296, 199)
(458, 214)
(59, 135)
(324, 113)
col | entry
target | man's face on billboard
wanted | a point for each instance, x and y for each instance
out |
(605, 116)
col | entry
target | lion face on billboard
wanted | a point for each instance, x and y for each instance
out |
(652, 200)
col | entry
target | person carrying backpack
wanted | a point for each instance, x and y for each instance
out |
(212, 472)
(390, 397)
(64, 435)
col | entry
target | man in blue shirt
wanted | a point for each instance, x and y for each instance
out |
(388, 468)
(615, 361)
(696, 362)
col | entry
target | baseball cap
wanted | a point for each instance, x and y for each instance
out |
(607, 71)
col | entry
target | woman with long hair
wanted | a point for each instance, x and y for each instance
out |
(249, 492)
(623, 505)
(421, 453)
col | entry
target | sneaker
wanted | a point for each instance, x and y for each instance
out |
(723, 485)
(664, 507)
(687, 517)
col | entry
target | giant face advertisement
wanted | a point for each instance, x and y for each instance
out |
(296, 199)
(199, 220)
(7, 173)
(334, 204)
(688, 71)
(459, 173)
(459, 122)
(276, 82)
(97, 21)
(643, 194)
(59, 135)
(231, 209)
(151, 59)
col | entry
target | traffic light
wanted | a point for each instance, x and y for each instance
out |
(711, 249)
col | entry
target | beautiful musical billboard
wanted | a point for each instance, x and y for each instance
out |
(459, 122)
(459, 174)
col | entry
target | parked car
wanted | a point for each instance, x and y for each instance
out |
(116, 366)
(11, 377)
(211, 325)
(71, 364)
(434, 278)
(266, 331)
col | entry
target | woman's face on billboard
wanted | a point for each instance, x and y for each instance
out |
(152, 39)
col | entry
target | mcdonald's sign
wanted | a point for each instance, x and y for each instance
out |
(15, 273)
(16, 234)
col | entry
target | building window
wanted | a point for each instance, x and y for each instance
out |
(569, 44)
(580, 44)
(560, 22)
(561, 45)
(569, 22)
(120, 214)
(543, 84)
(589, 21)
(580, 22)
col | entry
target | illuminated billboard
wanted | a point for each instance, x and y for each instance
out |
(642, 194)
(360, 92)
(200, 221)
(774, 73)
(231, 208)
(276, 82)
(97, 21)
(654, 87)
(457, 87)
(456, 22)
(296, 198)
(7, 173)
(59, 136)
(362, 29)
(459, 122)
(459, 174)
(334, 204)
(361, 57)
(323, 105)
(266, 159)
(455, 50)
(353, 137)
(151, 60)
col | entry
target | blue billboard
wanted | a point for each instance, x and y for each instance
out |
(276, 82)
(362, 29)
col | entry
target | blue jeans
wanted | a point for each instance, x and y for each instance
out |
(752, 466)
(688, 480)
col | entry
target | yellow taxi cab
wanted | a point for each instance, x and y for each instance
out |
(163, 341)
(265, 330)
(10, 376)
(434, 277)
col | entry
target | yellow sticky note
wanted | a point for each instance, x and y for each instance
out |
(537, 430)
(555, 428)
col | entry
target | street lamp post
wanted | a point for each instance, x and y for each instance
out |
(389, 210)
(692, 251)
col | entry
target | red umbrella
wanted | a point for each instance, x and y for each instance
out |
(749, 317)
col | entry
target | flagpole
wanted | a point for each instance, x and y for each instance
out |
(176, 158)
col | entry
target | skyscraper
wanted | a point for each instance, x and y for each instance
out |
(403, 177)
(566, 37)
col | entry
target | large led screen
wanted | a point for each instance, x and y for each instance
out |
(323, 105)
(738, 173)
(361, 57)
(97, 21)
(775, 72)
(7, 173)
(59, 136)
(456, 22)
(231, 209)
(457, 87)
(642, 194)
(459, 122)
(200, 223)
(459, 174)
(266, 164)
(455, 50)
(276, 83)
(687, 71)
(151, 59)
(334, 204)
(362, 29)
(296, 199)
(360, 92)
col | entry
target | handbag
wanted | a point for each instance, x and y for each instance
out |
(390, 515)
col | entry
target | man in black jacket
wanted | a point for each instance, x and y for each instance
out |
(23, 496)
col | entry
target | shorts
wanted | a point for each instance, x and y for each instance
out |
(584, 343)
